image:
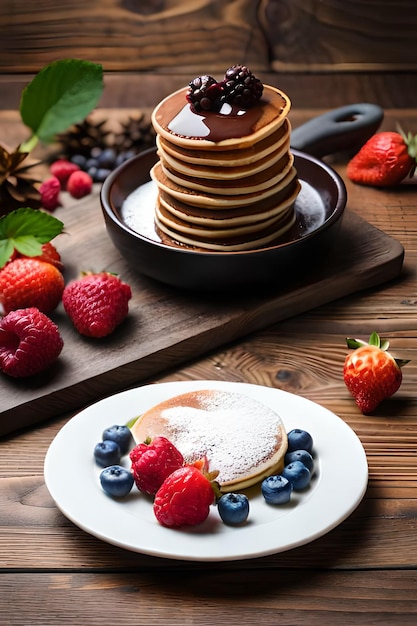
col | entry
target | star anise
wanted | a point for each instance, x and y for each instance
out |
(17, 186)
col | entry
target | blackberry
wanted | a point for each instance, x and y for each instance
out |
(241, 87)
(204, 93)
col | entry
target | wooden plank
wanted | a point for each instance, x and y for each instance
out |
(210, 598)
(307, 91)
(385, 527)
(166, 326)
(138, 36)
(209, 35)
(339, 36)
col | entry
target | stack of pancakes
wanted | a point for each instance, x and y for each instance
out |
(226, 180)
(243, 439)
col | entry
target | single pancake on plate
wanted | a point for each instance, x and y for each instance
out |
(243, 439)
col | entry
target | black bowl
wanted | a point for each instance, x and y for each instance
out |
(322, 188)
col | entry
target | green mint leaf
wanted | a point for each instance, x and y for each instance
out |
(25, 230)
(132, 421)
(61, 94)
(6, 251)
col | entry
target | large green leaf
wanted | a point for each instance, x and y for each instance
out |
(61, 94)
(26, 230)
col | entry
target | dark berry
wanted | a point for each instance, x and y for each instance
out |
(95, 152)
(107, 159)
(297, 473)
(300, 455)
(116, 481)
(107, 452)
(93, 173)
(204, 93)
(276, 489)
(233, 508)
(241, 87)
(299, 439)
(101, 174)
(121, 435)
(80, 160)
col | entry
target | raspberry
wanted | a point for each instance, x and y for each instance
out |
(185, 497)
(49, 191)
(153, 462)
(79, 184)
(204, 94)
(96, 303)
(241, 87)
(29, 342)
(62, 170)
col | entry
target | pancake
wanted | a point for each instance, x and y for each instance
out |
(243, 440)
(234, 159)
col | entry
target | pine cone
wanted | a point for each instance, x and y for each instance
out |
(136, 134)
(17, 187)
(82, 137)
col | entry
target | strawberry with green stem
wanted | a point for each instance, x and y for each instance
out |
(371, 373)
(25, 231)
(386, 159)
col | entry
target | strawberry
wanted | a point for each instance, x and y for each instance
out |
(384, 160)
(185, 497)
(25, 232)
(29, 342)
(49, 254)
(97, 303)
(154, 461)
(370, 373)
(27, 282)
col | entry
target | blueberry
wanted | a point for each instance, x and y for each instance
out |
(101, 174)
(91, 162)
(95, 152)
(276, 489)
(298, 474)
(107, 452)
(92, 171)
(80, 160)
(124, 156)
(107, 158)
(233, 508)
(300, 455)
(121, 435)
(299, 440)
(116, 481)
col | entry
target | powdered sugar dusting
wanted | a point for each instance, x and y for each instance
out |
(235, 432)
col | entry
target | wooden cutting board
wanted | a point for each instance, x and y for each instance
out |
(165, 326)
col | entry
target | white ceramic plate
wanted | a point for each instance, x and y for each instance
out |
(337, 487)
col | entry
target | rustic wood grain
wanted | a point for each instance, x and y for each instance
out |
(209, 35)
(307, 91)
(134, 599)
(165, 326)
(361, 573)
(335, 35)
(130, 35)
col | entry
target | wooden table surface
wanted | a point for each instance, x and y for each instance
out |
(362, 572)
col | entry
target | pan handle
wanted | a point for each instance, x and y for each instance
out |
(342, 129)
